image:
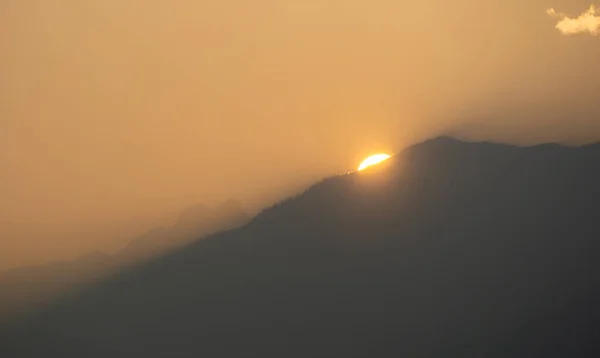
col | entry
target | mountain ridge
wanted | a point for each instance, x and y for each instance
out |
(30, 288)
(445, 249)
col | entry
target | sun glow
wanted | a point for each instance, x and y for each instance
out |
(372, 160)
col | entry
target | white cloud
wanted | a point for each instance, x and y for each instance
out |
(587, 22)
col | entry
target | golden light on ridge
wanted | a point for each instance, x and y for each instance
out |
(372, 160)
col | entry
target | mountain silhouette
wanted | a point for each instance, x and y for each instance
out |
(197, 221)
(448, 249)
(29, 288)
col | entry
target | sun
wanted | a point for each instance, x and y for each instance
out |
(372, 160)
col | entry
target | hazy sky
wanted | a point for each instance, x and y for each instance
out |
(116, 114)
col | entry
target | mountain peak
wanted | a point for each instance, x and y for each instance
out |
(487, 235)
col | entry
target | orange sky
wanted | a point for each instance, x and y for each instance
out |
(117, 114)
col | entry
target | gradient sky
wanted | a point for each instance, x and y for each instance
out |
(116, 114)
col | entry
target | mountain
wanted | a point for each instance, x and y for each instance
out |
(447, 249)
(196, 221)
(30, 288)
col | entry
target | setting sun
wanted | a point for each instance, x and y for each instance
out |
(372, 160)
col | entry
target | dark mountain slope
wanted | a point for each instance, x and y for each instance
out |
(448, 249)
(27, 289)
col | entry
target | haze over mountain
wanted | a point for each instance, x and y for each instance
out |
(27, 289)
(447, 249)
(117, 114)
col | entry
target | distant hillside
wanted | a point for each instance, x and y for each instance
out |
(448, 249)
(29, 288)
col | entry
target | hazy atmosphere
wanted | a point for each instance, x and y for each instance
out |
(116, 115)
